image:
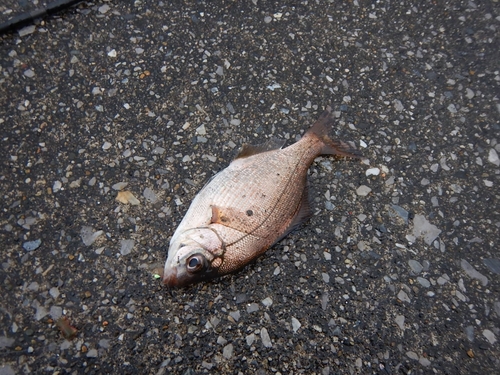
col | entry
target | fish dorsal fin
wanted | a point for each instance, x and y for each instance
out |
(249, 150)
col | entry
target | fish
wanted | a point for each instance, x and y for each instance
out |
(249, 206)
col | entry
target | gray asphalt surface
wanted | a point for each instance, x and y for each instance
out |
(397, 272)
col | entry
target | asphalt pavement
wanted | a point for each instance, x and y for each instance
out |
(397, 271)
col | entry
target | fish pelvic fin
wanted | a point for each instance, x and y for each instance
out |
(321, 128)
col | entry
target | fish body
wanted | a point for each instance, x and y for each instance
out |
(247, 207)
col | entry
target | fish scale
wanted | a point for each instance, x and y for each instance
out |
(247, 207)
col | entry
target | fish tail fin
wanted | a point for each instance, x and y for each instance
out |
(321, 128)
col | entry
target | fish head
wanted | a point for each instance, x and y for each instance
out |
(193, 256)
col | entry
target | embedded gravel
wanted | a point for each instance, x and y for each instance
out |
(114, 114)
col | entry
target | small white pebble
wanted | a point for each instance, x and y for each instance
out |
(201, 130)
(424, 361)
(210, 157)
(54, 292)
(266, 340)
(27, 30)
(412, 355)
(398, 106)
(400, 321)
(317, 328)
(493, 157)
(250, 339)
(295, 324)
(159, 150)
(104, 8)
(126, 246)
(363, 190)
(227, 352)
(403, 296)
(326, 277)
(372, 172)
(490, 336)
(56, 186)
(29, 73)
(119, 185)
(267, 302)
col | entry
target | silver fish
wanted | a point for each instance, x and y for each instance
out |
(247, 207)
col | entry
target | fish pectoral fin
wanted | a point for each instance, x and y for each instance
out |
(219, 216)
(249, 150)
(243, 221)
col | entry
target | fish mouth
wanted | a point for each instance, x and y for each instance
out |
(178, 278)
(170, 278)
(174, 278)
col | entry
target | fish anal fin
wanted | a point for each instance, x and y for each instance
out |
(249, 150)
(302, 214)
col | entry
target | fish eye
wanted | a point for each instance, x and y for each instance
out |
(195, 263)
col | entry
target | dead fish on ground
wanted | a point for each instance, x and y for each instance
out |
(249, 206)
